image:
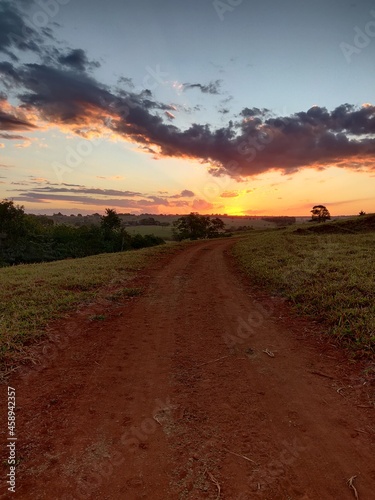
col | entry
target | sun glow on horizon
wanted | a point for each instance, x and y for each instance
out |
(235, 211)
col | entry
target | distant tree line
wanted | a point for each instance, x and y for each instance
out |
(148, 221)
(280, 220)
(26, 238)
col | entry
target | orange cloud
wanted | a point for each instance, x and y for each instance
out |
(229, 194)
(201, 205)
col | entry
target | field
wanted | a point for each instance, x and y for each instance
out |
(329, 277)
(31, 295)
(164, 232)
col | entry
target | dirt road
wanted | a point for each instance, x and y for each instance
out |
(199, 388)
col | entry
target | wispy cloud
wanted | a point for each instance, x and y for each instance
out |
(31, 191)
(82, 190)
(229, 194)
(210, 88)
(13, 137)
(186, 193)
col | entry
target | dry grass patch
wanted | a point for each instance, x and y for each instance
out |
(327, 276)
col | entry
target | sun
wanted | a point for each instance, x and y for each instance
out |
(236, 210)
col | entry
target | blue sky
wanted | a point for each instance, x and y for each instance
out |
(203, 77)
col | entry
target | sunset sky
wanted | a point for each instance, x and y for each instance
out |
(167, 106)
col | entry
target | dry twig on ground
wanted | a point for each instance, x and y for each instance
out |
(215, 481)
(351, 485)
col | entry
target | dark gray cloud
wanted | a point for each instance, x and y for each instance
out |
(126, 81)
(57, 94)
(13, 137)
(186, 193)
(35, 196)
(9, 121)
(9, 77)
(78, 60)
(16, 34)
(211, 88)
(249, 112)
(83, 190)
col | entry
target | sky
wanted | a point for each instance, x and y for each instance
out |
(241, 107)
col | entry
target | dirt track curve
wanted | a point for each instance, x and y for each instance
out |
(199, 388)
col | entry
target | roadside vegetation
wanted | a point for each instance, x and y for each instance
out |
(28, 238)
(327, 271)
(32, 295)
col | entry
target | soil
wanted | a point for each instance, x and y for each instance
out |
(200, 388)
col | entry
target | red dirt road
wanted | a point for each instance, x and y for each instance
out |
(199, 388)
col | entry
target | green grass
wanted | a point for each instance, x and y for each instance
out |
(327, 276)
(164, 232)
(32, 295)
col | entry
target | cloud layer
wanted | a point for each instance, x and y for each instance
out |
(40, 190)
(60, 89)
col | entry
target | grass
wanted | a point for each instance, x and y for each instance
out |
(329, 277)
(32, 295)
(164, 232)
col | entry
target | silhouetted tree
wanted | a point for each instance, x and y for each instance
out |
(110, 220)
(320, 213)
(12, 219)
(195, 226)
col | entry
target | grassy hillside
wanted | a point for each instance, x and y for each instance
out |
(353, 225)
(327, 276)
(31, 295)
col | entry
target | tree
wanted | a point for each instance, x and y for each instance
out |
(111, 220)
(320, 213)
(195, 226)
(12, 218)
(216, 227)
(362, 212)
